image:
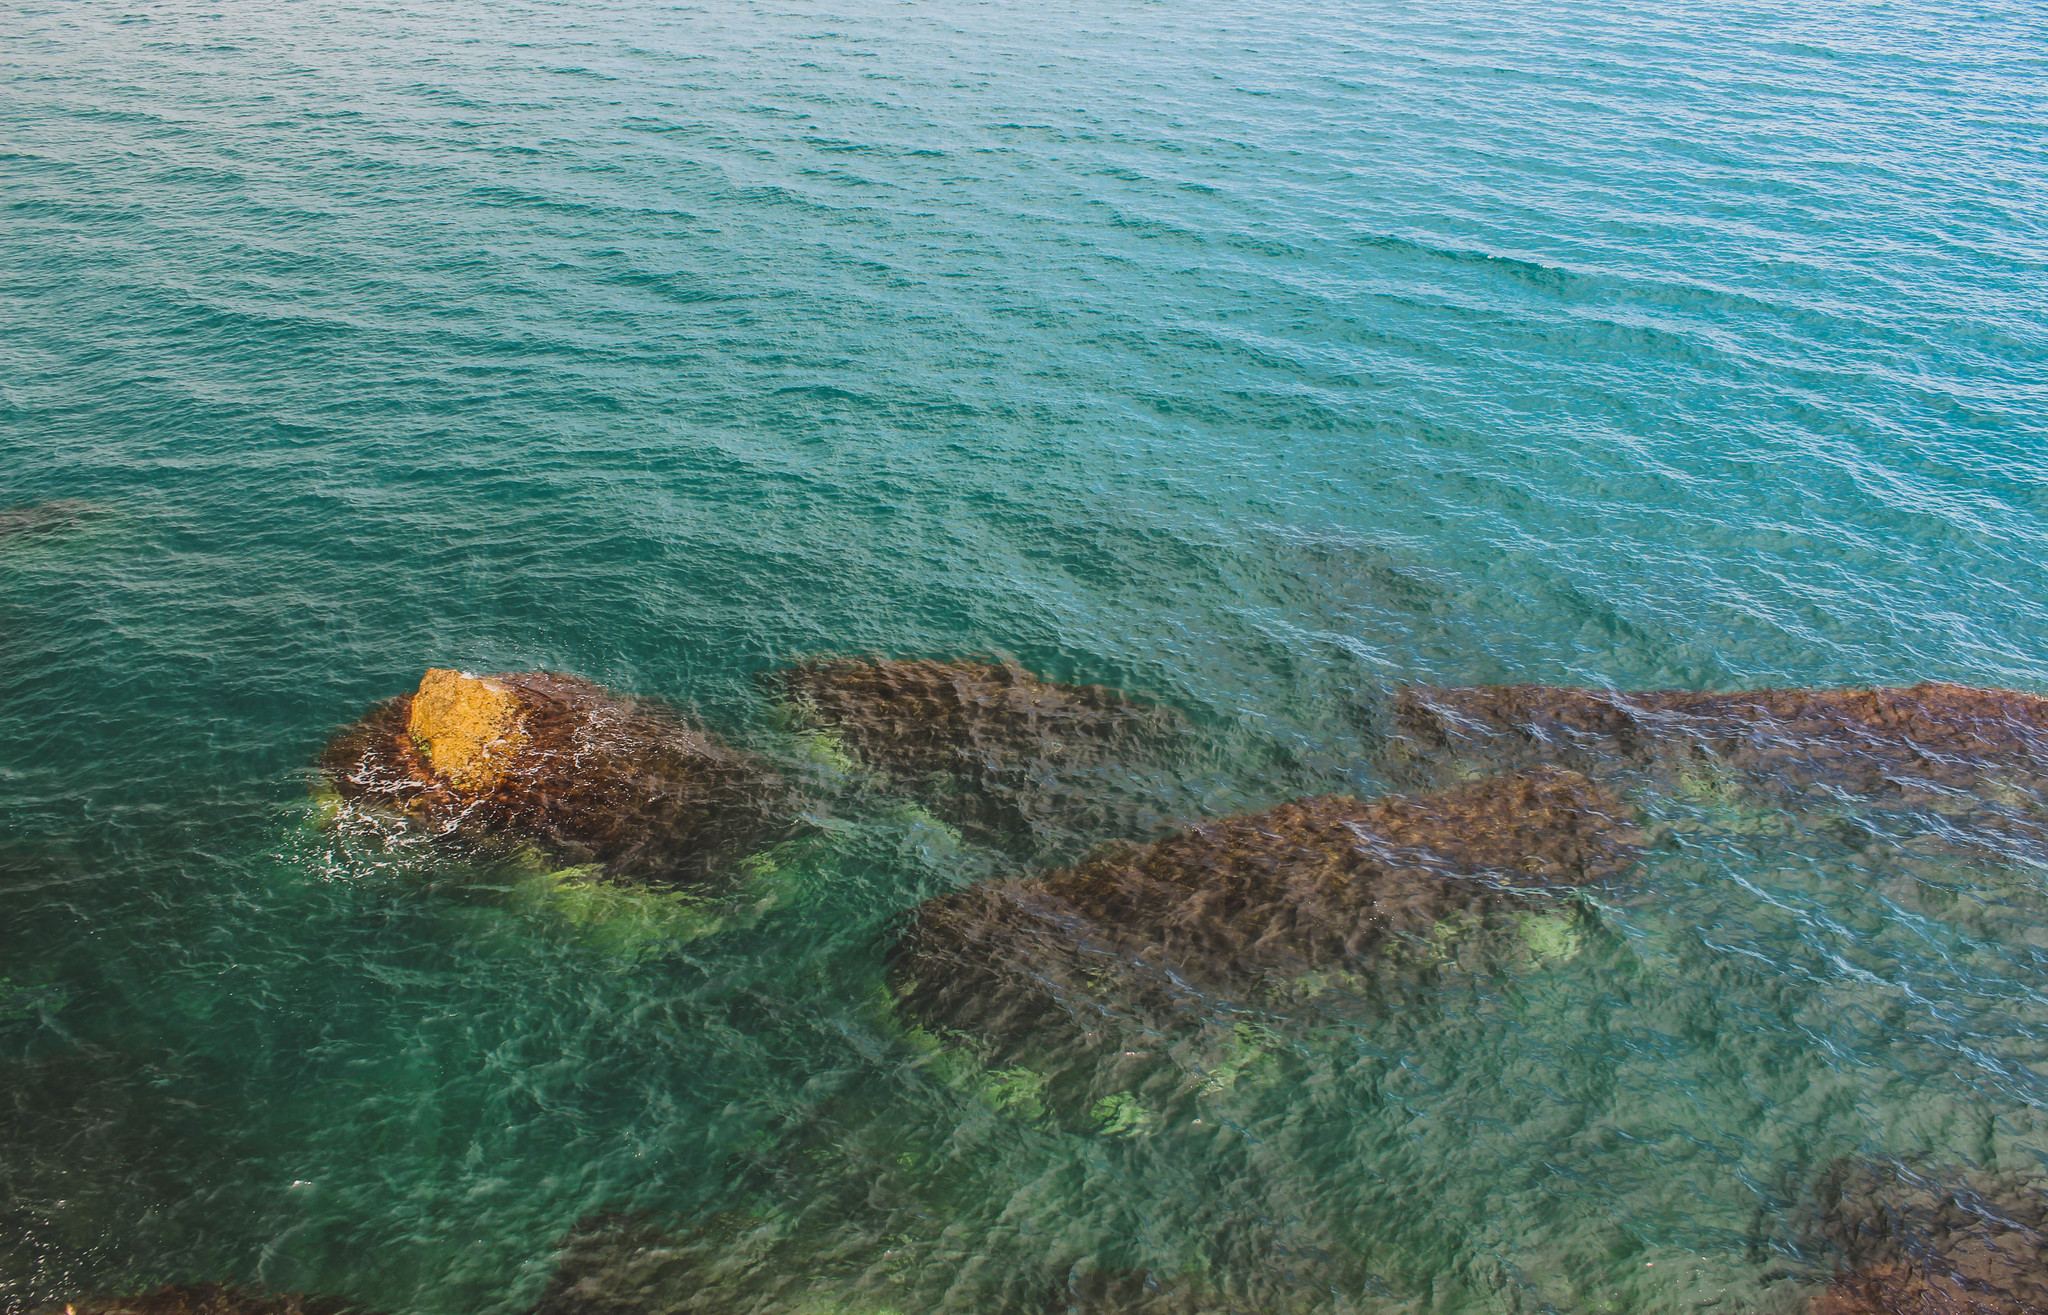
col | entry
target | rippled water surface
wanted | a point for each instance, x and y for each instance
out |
(1257, 359)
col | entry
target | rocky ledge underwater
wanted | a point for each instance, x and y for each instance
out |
(1087, 994)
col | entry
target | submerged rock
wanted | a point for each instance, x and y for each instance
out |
(621, 782)
(212, 1299)
(997, 749)
(1958, 1244)
(618, 1263)
(1976, 754)
(94, 1176)
(622, 1264)
(39, 517)
(1222, 905)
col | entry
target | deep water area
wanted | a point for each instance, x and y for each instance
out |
(1251, 361)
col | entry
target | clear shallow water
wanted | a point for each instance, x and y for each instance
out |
(1253, 359)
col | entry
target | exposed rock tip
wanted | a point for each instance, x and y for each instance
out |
(468, 728)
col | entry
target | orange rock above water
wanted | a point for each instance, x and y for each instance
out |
(554, 758)
(469, 728)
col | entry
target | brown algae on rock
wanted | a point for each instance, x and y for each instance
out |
(1975, 757)
(993, 747)
(44, 517)
(1957, 1242)
(619, 1263)
(1310, 882)
(1141, 942)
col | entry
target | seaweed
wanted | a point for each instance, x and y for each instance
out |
(633, 1263)
(1149, 1292)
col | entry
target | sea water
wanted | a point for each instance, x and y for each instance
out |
(1253, 358)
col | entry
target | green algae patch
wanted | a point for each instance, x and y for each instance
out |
(1018, 1092)
(323, 807)
(955, 1059)
(1708, 781)
(1550, 937)
(1245, 1057)
(828, 750)
(1122, 1114)
(634, 921)
(19, 1003)
(627, 921)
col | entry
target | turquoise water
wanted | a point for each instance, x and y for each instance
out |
(1253, 358)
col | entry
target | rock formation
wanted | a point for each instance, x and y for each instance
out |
(1953, 1244)
(553, 758)
(1976, 755)
(617, 1263)
(1222, 905)
(995, 749)
(39, 517)
(623, 1264)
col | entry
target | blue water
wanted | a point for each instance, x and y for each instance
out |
(1255, 358)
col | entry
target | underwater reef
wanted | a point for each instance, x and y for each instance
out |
(1957, 1243)
(1232, 905)
(1126, 998)
(1001, 753)
(1978, 757)
(42, 517)
(597, 777)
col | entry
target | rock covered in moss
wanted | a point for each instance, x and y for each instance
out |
(1939, 1243)
(622, 782)
(1221, 905)
(995, 748)
(212, 1299)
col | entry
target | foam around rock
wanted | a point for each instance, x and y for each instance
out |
(597, 777)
